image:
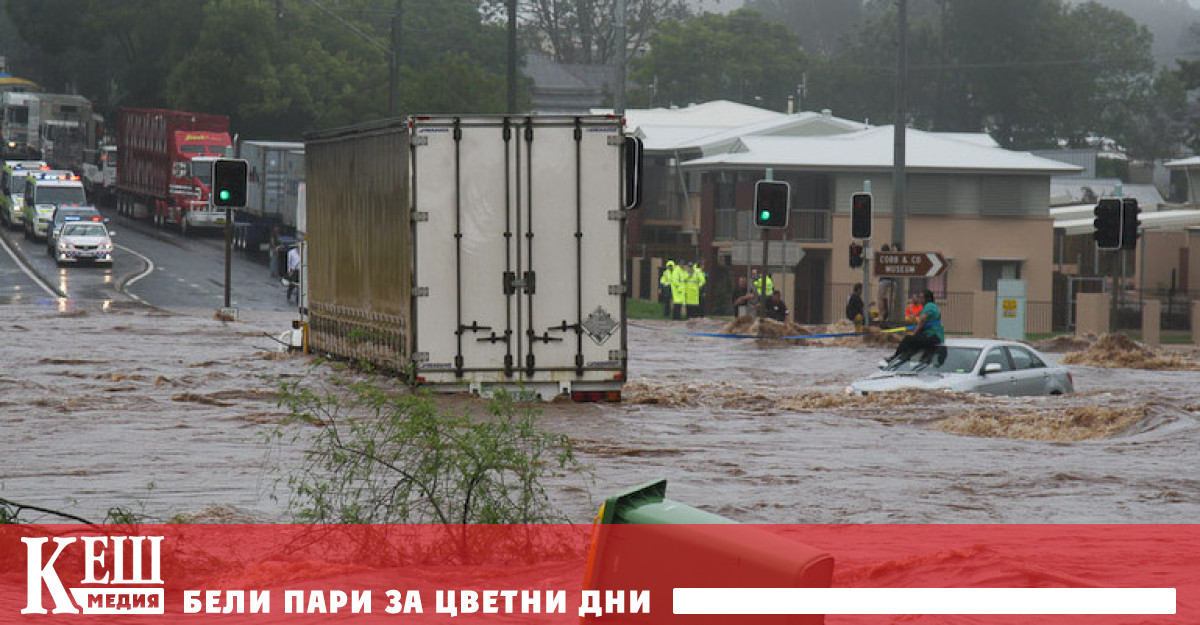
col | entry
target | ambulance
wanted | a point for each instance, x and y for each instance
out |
(44, 192)
(12, 189)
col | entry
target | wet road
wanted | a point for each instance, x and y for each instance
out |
(158, 267)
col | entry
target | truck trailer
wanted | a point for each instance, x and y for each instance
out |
(473, 252)
(164, 166)
(268, 221)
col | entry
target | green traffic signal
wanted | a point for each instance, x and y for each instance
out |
(229, 182)
(771, 204)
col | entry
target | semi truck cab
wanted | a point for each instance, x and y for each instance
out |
(191, 180)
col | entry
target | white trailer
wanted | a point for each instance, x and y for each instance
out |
(474, 252)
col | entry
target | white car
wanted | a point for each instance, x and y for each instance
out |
(83, 241)
(972, 366)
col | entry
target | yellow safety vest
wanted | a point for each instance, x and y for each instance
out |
(758, 287)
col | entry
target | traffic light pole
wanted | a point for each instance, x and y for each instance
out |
(868, 256)
(228, 255)
(761, 289)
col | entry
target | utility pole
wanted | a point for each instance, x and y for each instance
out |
(899, 206)
(619, 88)
(512, 57)
(394, 108)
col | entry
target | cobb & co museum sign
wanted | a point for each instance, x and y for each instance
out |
(909, 264)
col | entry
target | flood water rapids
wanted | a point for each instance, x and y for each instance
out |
(164, 414)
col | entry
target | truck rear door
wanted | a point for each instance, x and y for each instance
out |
(518, 251)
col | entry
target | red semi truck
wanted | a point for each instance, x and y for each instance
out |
(164, 168)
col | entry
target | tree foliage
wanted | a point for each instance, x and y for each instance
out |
(277, 68)
(740, 57)
(584, 31)
(395, 457)
(1033, 73)
(819, 24)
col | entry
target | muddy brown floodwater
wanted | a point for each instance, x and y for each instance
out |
(164, 414)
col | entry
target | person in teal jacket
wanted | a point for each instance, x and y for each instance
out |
(928, 334)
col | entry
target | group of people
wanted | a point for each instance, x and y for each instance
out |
(921, 313)
(761, 296)
(681, 289)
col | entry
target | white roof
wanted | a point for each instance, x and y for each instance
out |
(981, 139)
(717, 133)
(656, 137)
(872, 149)
(1072, 190)
(1176, 220)
(1183, 162)
(717, 114)
(1074, 211)
(803, 124)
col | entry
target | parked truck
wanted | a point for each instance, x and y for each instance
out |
(100, 174)
(268, 221)
(473, 252)
(164, 166)
(56, 127)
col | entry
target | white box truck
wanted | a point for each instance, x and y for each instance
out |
(474, 252)
(275, 170)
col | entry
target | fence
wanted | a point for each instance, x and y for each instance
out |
(806, 225)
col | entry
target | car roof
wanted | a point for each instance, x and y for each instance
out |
(983, 343)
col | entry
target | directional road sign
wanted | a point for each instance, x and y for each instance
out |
(909, 264)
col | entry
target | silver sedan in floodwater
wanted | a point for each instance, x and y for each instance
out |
(972, 366)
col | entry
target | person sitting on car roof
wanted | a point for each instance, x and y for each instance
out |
(928, 333)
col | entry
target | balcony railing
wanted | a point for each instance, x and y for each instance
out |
(803, 225)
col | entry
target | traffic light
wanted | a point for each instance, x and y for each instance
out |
(771, 204)
(229, 182)
(860, 216)
(1129, 223)
(1108, 224)
(856, 255)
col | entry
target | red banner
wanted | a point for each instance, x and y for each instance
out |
(721, 573)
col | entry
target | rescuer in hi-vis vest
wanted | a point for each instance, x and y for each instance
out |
(764, 286)
(664, 287)
(692, 279)
(678, 293)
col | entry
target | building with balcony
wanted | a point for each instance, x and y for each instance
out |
(985, 208)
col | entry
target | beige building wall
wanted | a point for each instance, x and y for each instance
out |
(965, 241)
(1161, 256)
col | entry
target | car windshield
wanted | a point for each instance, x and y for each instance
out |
(83, 230)
(60, 195)
(942, 359)
(203, 171)
(74, 214)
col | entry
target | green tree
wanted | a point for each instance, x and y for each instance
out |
(1033, 73)
(389, 456)
(276, 68)
(819, 24)
(739, 57)
(583, 31)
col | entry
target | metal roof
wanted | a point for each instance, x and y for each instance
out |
(872, 149)
(1172, 220)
